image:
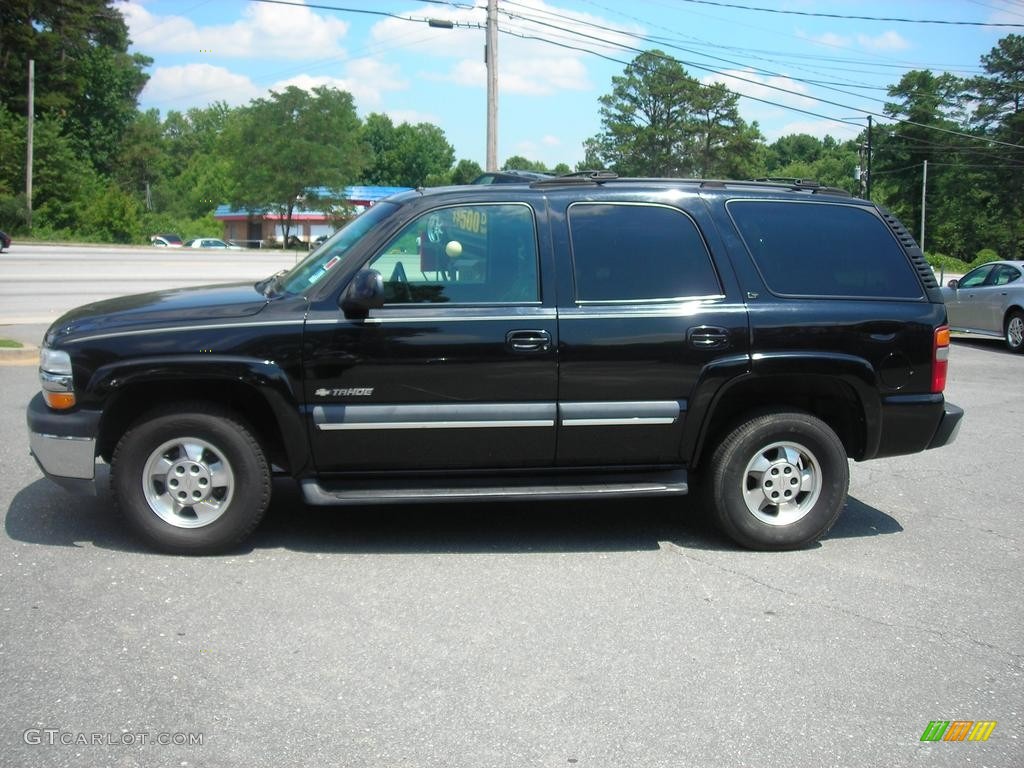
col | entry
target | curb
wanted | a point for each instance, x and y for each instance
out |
(19, 356)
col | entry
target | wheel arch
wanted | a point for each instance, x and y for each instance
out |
(1017, 307)
(835, 399)
(256, 391)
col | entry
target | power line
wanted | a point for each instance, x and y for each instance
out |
(646, 38)
(853, 17)
(769, 86)
(897, 63)
(525, 36)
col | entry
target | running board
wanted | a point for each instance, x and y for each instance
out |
(412, 491)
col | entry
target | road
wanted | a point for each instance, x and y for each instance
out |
(38, 283)
(558, 634)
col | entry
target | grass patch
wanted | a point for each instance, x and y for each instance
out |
(10, 344)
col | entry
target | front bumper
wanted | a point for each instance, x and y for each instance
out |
(64, 445)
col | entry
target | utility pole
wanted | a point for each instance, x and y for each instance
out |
(491, 59)
(924, 192)
(31, 130)
(869, 159)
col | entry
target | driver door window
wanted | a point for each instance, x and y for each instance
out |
(469, 254)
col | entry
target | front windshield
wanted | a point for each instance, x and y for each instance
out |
(314, 267)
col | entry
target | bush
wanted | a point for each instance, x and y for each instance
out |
(940, 261)
(984, 256)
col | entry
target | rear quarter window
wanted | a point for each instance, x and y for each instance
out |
(824, 249)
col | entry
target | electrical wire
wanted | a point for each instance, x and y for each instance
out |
(845, 107)
(850, 17)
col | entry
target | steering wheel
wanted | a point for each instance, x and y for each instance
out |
(435, 229)
(401, 282)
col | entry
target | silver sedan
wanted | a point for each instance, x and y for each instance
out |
(989, 302)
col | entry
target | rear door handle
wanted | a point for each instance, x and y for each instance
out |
(528, 341)
(708, 337)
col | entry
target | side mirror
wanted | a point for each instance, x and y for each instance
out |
(953, 284)
(365, 292)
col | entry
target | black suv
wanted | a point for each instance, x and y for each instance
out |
(580, 336)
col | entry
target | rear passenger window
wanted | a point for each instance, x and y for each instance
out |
(628, 252)
(821, 249)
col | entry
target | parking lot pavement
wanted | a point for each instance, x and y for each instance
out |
(557, 634)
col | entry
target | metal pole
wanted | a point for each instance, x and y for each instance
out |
(869, 159)
(491, 58)
(30, 140)
(924, 192)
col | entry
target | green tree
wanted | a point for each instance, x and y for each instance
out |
(923, 101)
(520, 163)
(465, 171)
(282, 147)
(63, 180)
(407, 155)
(800, 156)
(85, 76)
(659, 121)
(999, 114)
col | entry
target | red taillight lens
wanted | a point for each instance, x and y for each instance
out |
(940, 359)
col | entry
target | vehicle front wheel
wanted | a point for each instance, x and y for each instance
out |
(190, 479)
(778, 481)
(1015, 331)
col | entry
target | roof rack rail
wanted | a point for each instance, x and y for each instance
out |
(803, 185)
(579, 177)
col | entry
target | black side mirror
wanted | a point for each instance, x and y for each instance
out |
(953, 284)
(365, 292)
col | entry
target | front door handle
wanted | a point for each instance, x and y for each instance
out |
(708, 337)
(528, 341)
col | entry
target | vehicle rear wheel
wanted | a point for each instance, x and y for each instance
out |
(1015, 331)
(190, 479)
(778, 481)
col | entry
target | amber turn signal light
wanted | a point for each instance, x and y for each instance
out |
(59, 401)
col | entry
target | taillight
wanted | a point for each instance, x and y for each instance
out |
(940, 359)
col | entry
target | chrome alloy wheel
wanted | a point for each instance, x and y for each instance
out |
(1015, 332)
(781, 483)
(188, 483)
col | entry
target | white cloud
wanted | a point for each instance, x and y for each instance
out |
(551, 141)
(826, 39)
(365, 79)
(290, 32)
(412, 116)
(525, 66)
(887, 41)
(199, 84)
(817, 128)
(779, 89)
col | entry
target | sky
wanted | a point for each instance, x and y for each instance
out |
(556, 59)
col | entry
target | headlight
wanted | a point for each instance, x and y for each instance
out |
(54, 361)
(56, 379)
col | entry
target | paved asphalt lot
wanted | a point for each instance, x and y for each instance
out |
(570, 634)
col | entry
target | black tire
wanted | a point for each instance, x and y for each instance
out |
(778, 481)
(219, 473)
(1014, 331)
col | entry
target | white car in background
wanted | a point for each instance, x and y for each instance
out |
(166, 241)
(210, 242)
(989, 302)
